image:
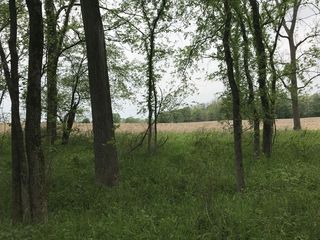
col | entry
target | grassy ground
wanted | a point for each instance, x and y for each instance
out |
(186, 191)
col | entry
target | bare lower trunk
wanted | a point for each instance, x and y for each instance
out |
(150, 113)
(155, 127)
(267, 137)
(68, 126)
(20, 176)
(295, 110)
(106, 160)
(52, 97)
(256, 137)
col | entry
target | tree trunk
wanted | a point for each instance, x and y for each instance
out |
(52, 65)
(37, 166)
(20, 195)
(150, 110)
(52, 95)
(294, 85)
(251, 99)
(68, 123)
(262, 79)
(151, 95)
(106, 160)
(237, 121)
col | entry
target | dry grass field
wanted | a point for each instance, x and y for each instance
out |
(307, 123)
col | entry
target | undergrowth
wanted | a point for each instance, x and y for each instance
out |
(185, 191)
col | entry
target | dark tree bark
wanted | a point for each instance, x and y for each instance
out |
(54, 48)
(106, 160)
(262, 79)
(237, 120)
(251, 99)
(52, 66)
(150, 93)
(20, 194)
(37, 166)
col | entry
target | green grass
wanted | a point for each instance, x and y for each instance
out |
(186, 191)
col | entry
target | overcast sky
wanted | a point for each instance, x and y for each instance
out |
(208, 90)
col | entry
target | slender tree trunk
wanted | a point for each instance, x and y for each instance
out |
(106, 160)
(150, 109)
(155, 125)
(237, 120)
(251, 99)
(52, 66)
(262, 79)
(293, 88)
(52, 95)
(294, 85)
(37, 166)
(151, 96)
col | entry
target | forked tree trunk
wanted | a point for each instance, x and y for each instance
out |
(237, 120)
(262, 79)
(106, 160)
(37, 166)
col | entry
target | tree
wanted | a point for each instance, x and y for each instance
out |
(262, 79)
(237, 120)
(146, 26)
(152, 90)
(20, 193)
(36, 162)
(54, 41)
(246, 53)
(294, 68)
(106, 160)
(78, 86)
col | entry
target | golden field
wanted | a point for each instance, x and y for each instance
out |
(307, 123)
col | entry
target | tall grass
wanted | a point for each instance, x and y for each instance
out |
(185, 191)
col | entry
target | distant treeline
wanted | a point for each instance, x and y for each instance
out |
(220, 110)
